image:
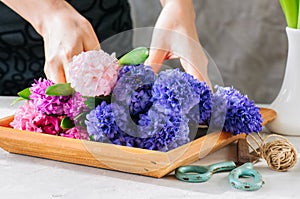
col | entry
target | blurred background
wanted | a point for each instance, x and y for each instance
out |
(246, 39)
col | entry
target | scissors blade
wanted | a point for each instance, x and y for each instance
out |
(243, 154)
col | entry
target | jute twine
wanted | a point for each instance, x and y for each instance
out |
(279, 153)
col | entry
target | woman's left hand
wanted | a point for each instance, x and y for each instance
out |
(175, 36)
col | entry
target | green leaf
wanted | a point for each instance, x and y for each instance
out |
(282, 3)
(66, 123)
(17, 100)
(60, 90)
(290, 9)
(25, 93)
(91, 138)
(298, 25)
(136, 56)
(92, 102)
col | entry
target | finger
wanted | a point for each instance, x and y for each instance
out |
(172, 56)
(189, 68)
(192, 70)
(67, 56)
(91, 42)
(156, 59)
(66, 67)
(54, 71)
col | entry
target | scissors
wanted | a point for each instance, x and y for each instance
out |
(196, 174)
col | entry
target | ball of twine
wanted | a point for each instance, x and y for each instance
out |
(280, 154)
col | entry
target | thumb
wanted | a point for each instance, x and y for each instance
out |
(156, 59)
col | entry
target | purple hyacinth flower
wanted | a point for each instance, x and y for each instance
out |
(100, 123)
(174, 92)
(133, 89)
(165, 132)
(241, 114)
(105, 124)
(203, 112)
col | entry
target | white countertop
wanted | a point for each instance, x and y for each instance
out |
(29, 177)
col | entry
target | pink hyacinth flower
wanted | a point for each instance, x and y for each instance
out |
(55, 105)
(24, 117)
(48, 124)
(76, 133)
(93, 73)
(29, 119)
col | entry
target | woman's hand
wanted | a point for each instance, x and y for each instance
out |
(65, 32)
(65, 35)
(175, 36)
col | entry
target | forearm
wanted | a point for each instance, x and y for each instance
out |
(181, 5)
(164, 2)
(36, 11)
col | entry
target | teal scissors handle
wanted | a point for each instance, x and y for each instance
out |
(193, 173)
(246, 170)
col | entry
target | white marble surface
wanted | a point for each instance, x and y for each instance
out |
(29, 177)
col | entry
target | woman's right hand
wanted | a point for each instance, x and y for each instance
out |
(66, 33)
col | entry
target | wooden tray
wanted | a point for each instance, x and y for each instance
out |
(114, 157)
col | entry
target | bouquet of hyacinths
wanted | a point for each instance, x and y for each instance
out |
(291, 11)
(124, 102)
